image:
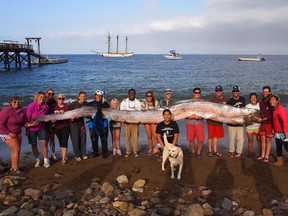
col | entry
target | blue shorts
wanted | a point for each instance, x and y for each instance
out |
(159, 147)
(41, 134)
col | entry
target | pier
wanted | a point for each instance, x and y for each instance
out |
(13, 54)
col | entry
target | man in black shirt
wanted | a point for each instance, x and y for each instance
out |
(168, 127)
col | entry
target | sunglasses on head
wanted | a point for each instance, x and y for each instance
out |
(61, 98)
(16, 102)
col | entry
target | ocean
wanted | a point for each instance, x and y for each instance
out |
(147, 72)
(144, 72)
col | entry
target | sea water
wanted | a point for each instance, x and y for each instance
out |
(145, 72)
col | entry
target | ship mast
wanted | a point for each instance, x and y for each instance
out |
(109, 39)
(126, 44)
(117, 38)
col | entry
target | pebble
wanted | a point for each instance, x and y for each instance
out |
(115, 200)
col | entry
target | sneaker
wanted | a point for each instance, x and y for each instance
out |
(118, 151)
(239, 155)
(150, 153)
(37, 164)
(127, 154)
(46, 163)
(231, 154)
(15, 170)
(136, 154)
(114, 151)
(78, 159)
(54, 157)
(85, 157)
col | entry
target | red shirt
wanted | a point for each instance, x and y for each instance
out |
(280, 112)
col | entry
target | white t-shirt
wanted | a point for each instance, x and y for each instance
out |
(256, 125)
(130, 105)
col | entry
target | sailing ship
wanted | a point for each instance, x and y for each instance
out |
(116, 54)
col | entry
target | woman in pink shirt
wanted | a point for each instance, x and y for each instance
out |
(38, 129)
(12, 119)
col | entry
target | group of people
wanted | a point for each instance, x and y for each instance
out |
(272, 123)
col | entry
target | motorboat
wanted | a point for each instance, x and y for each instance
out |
(173, 55)
(49, 60)
(257, 59)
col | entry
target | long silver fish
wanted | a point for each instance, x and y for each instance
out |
(207, 110)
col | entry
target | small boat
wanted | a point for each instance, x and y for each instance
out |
(116, 54)
(49, 61)
(173, 55)
(257, 59)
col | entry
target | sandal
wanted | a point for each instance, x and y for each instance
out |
(217, 154)
(210, 154)
(266, 160)
(260, 158)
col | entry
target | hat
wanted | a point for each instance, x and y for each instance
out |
(98, 92)
(168, 91)
(236, 88)
(218, 88)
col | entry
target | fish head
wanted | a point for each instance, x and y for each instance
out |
(252, 117)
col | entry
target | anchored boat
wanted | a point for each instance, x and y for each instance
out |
(173, 55)
(49, 60)
(257, 59)
(116, 54)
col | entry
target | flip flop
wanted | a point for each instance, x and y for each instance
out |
(217, 154)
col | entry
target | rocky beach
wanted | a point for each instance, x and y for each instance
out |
(137, 186)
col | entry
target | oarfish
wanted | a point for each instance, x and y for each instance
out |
(207, 110)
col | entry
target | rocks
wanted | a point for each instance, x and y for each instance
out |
(122, 180)
(118, 198)
(9, 211)
(33, 193)
(107, 188)
(195, 210)
(227, 203)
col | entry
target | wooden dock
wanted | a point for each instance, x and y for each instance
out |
(13, 54)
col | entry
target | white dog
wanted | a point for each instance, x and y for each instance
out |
(175, 155)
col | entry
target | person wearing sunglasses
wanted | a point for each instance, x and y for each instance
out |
(150, 103)
(195, 128)
(215, 129)
(78, 130)
(37, 129)
(62, 127)
(98, 126)
(12, 120)
(131, 131)
(50, 131)
(236, 131)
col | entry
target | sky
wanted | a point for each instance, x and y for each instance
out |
(152, 26)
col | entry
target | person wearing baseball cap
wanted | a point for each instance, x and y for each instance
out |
(236, 131)
(215, 129)
(168, 101)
